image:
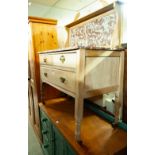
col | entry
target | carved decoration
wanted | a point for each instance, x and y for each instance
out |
(97, 32)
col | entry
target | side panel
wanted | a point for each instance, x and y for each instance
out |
(101, 72)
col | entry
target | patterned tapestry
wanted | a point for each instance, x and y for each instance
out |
(95, 33)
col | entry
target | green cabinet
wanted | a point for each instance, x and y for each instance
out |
(68, 150)
(53, 141)
(59, 143)
(61, 146)
(47, 135)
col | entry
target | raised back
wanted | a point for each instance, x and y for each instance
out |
(102, 28)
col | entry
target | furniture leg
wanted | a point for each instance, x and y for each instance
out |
(78, 118)
(118, 109)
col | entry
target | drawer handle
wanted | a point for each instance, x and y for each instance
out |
(44, 132)
(62, 58)
(45, 74)
(62, 79)
(45, 60)
(44, 119)
(45, 145)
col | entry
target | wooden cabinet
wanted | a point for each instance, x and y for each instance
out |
(53, 141)
(31, 103)
(42, 36)
(92, 73)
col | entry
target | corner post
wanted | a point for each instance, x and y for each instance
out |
(119, 93)
(79, 99)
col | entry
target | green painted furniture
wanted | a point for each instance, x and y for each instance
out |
(53, 141)
(61, 146)
(47, 134)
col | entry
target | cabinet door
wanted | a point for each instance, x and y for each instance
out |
(59, 143)
(47, 134)
(61, 147)
(36, 111)
(49, 37)
(33, 85)
(53, 141)
(31, 103)
(41, 37)
(68, 149)
(44, 36)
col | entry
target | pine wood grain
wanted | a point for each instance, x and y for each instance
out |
(42, 36)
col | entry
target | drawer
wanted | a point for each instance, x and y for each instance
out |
(64, 60)
(61, 78)
(45, 74)
(67, 60)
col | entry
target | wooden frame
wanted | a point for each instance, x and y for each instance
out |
(90, 16)
(114, 71)
(39, 39)
(112, 8)
(42, 20)
(82, 54)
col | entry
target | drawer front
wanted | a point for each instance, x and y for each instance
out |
(67, 60)
(45, 74)
(43, 59)
(63, 79)
(64, 60)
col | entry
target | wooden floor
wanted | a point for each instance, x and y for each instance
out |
(98, 136)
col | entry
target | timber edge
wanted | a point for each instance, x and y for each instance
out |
(96, 13)
(42, 20)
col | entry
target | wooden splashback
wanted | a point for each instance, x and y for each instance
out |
(102, 28)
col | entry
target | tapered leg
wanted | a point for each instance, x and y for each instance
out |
(78, 130)
(118, 108)
(119, 93)
(78, 118)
